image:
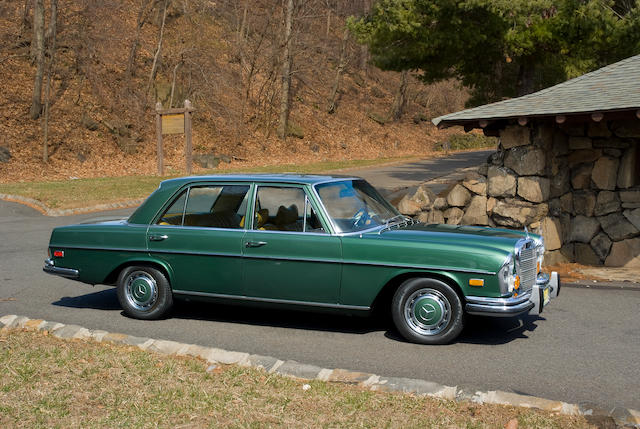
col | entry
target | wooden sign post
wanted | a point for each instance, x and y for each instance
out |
(174, 121)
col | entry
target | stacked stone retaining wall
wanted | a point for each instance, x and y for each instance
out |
(578, 184)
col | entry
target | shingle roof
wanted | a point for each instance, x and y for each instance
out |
(614, 87)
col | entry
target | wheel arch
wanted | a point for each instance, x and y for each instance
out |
(112, 277)
(382, 301)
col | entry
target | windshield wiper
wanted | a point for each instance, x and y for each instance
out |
(403, 220)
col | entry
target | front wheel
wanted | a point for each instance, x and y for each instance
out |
(144, 292)
(427, 311)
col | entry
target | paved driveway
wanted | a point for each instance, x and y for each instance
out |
(410, 174)
(584, 347)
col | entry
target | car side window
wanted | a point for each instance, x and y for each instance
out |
(211, 206)
(281, 208)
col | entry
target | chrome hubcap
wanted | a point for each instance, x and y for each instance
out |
(427, 311)
(141, 290)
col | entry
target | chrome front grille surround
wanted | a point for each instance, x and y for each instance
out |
(526, 264)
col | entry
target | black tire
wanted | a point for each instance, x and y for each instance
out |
(144, 292)
(427, 311)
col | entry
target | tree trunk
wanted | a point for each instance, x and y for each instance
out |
(400, 100)
(25, 18)
(285, 76)
(328, 21)
(51, 43)
(364, 50)
(154, 67)
(240, 34)
(142, 17)
(173, 82)
(37, 52)
(342, 63)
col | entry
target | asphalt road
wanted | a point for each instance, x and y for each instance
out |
(584, 347)
(409, 174)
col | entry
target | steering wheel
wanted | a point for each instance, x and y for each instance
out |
(360, 218)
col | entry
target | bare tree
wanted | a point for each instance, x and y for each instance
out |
(154, 67)
(400, 99)
(364, 51)
(285, 75)
(25, 18)
(51, 43)
(145, 7)
(37, 55)
(342, 63)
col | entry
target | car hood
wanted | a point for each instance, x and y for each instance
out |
(461, 235)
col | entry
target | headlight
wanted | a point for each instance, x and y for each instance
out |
(507, 278)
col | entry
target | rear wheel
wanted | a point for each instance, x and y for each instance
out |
(427, 311)
(144, 292)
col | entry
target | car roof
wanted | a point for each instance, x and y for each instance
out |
(167, 188)
(302, 179)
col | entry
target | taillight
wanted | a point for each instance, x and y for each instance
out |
(58, 253)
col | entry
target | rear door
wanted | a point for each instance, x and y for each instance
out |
(200, 237)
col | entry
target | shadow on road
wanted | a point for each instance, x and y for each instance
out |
(104, 300)
(478, 330)
(281, 318)
(494, 330)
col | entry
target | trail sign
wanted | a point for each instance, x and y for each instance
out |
(174, 121)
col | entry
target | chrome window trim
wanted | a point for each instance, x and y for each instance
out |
(270, 231)
(199, 228)
(184, 207)
(273, 301)
(156, 217)
(304, 191)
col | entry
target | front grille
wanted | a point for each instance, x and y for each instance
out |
(526, 266)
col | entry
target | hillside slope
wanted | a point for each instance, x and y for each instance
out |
(225, 57)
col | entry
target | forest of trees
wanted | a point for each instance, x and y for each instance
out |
(245, 64)
(500, 48)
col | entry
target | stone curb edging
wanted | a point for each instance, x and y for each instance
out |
(42, 208)
(622, 416)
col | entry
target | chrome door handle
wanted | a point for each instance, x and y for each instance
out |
(158, 237)
(254, 243)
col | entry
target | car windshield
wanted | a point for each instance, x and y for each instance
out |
(354, 205)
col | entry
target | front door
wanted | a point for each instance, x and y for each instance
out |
(288, 253)
(200, 237)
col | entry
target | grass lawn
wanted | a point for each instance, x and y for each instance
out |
(88, 192)
(48, 382)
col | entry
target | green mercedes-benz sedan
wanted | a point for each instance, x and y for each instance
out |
(311, 242)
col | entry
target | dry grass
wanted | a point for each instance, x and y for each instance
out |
(48, 382)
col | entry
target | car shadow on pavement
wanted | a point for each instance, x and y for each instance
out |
(102, 300)
(487, 330)
(478, 330)
(497, 330)
(281, 318)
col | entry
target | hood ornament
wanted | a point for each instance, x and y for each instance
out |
(526, 231)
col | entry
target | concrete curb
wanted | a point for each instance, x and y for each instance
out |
(42, 208)
(621, 416)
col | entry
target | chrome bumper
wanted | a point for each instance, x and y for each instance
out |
(532, 301)
(50, 268)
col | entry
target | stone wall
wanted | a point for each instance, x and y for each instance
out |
(577, 184)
